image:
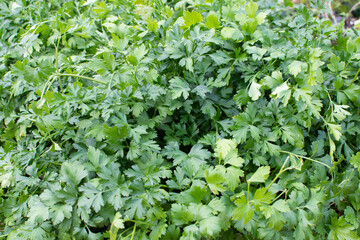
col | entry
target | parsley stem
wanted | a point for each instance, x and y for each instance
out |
(307, 158)
(285, 191)
(79, 76)
(133, 233)
(221, 5)
(248, 190)
(342, 189)
(279, 173)
(140, 222)
(47, 85)
(57, 62)
(354, 79)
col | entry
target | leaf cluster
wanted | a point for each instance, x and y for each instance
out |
(159, 119)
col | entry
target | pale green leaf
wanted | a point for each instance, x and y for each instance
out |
(224, 146)
(191, 18)
(251, 9)
(281, 205)
(212, 20)
(254, 91)
(261, 174)
(355, 160)
(335, 130)
(296, 67)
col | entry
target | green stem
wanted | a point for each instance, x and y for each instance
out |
(133, 233)
(285, 191)
(109, 86)
(279, 173)
(342, 189)
(354, 79)
(307, 158)
(188, 184)
(37, 26)
(139, 222)
(221, 4)
(57, 62)
(47, 85)
(56, 55)
(348, 62)
(248, 190)
(79, 76)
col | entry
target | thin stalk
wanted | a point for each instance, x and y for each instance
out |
(354, 79)
(348, 61)
(279, 173)
(57, 62)
(126, 237)
(36, 26)
(342, 189)
(47, 85)
(332, 13)
(140, 222)
(133, 233)
(351, 10)
(307, 158)
(79, 76)
(109, 86)
(285, 191)
(221, 4)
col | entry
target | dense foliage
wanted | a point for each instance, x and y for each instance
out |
(191, 119)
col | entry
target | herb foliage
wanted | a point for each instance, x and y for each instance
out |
(157, 119)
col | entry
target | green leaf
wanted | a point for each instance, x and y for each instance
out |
(276, 221)
(233, 159)
(233, 175)
(140, 52)
(254, 91)
(179, 87)
(260, 175)
(38, 213)
(339, 230)
(231, 33)
(180, 214)
(212, 20)
(135, 208)
(335, 64)
(137, 132)
(201, 90)
(335, 130)
(256, 52)
(73, 172)
(224, 147)
(58, 213)
(191, 18)
(340, 113)
(262, 196)
(280, 89)
(220, 57)
(243, 210)
(281, 205)
(260, 17)
(158, 231)
(116, 224)
(215, 178)
(355, 160)
(251, 9)
(296, 67)
(210, 226)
